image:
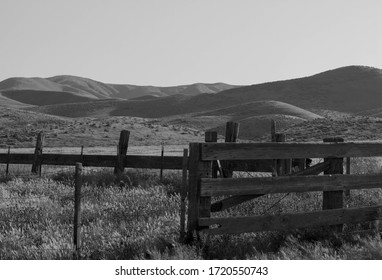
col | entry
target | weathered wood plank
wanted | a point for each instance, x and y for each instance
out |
(273, 130)
(154, 162)
(132, 161)
(235, 200)
(264, 165)
(286, 222)
(212, 136)
(246, 151)
(17, 158)
(231, 135)
(334, 198)
(198, 206)
(286, 184)
(314, 170)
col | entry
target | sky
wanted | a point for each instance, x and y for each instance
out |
(173, 42)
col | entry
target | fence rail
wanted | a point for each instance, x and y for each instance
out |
(284, 222)
(285, 150)
(332, 183)
(286, 184)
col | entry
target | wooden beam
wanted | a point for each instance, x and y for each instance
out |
(263, 165)
(286, 222)
(237, 199)
(286, 184)
(212, 136)
(247, 151)
(132, 161)
(231, 135)
(314, 170)
(333, 199)
(198, 206)
(273, 131)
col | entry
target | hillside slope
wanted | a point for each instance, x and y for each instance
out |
(254, 118)
(91, 89)
(346, 89)
(349, 89)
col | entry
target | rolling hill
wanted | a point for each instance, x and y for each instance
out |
(26, 89)
(348, 89)
(334, 94)
(254, 118)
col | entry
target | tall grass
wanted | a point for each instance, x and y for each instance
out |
(136, 216)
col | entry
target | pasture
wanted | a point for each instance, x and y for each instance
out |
(136, 216)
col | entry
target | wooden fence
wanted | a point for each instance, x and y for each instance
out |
(202, 185)
(121, 160)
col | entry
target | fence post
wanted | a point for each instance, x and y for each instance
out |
(282, 166)
(77, 209)
(183, 194)
(212, 136)
(161, 164)
(36, 166)
(197, 206)
(334, 199)
(347, 192)
(273, 131)
(82, 154)
(231, 135)
(122, 151)
(8, 160)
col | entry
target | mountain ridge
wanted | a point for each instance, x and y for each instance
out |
(88, 88)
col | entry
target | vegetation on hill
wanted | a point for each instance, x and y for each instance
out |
(19, 129)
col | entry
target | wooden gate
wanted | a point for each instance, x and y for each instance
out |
(202, 187)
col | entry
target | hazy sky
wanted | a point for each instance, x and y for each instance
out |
(171, 42)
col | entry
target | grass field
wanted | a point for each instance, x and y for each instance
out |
(135, 216)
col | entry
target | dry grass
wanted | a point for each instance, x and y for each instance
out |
(135, 216)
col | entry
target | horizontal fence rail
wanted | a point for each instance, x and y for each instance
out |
(286, 184)
(285, 222)
(290, 164)
(131, 161)
(285, 150)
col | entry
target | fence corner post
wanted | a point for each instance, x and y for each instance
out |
(334, 199)
(197, 206)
